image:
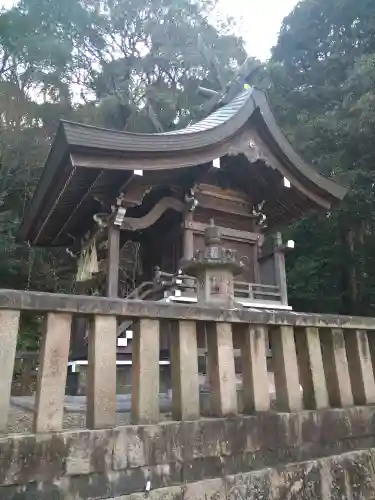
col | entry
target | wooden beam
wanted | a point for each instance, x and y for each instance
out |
(188, 238)
(280, 271)
(138, 224)
(226, 232)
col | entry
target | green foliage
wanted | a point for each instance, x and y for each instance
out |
(322, 73)
(127, 64)
(136, 65)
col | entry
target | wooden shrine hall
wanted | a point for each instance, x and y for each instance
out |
(101, 189)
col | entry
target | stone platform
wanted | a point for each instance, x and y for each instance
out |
(327, 454)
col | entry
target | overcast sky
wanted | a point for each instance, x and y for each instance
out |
(258, 21)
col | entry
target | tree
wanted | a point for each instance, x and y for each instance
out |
(322, 73)
(128, 64)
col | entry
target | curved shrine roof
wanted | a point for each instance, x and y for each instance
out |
(86, 162)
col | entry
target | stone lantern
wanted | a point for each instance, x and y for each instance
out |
(214, 268)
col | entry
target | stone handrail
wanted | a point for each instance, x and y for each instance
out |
(330, 356)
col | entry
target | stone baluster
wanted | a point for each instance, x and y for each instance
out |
(360, 366)
(9, 321)
(221, 371)
(101, 376)
(184, 361)
(53, 366)
(336, 368)
(145, 371)
(310, 362)
(285, 367)
(253, 340)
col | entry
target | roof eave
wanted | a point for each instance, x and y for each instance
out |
(59, 150)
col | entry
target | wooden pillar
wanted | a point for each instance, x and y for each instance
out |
(101, 375)
(360, 366)
(188, 238)
(310, 362)
(184, 360)
(254, 367)
(145, 372)
(336, 367)
(113, 261)
(280, 269)
(9, 321)
(53, 366)
(285, 367)
(221, 369)
(255, 256)
(78, 341)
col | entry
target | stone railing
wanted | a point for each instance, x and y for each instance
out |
(330, 357)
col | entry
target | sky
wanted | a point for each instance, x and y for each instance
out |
(257, 21)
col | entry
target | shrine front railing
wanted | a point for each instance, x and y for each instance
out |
(181, 287)
(331, 357)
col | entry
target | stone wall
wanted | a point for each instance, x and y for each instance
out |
(209, 459)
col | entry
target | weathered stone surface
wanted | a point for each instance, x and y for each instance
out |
(113, 463)
(89, 452)
(145, 371)
(203, 438)
(137, 446)
(249, 486)
(135, 480)
(212, 489)
(310, 363)
(30, 458)
(37, 301)
(203, 468)
(8, 340)
(348, 476)
(101, 375)
(53, 363)
(185, 380)
(172, 493)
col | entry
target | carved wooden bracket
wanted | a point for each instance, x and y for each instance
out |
(137, 224)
